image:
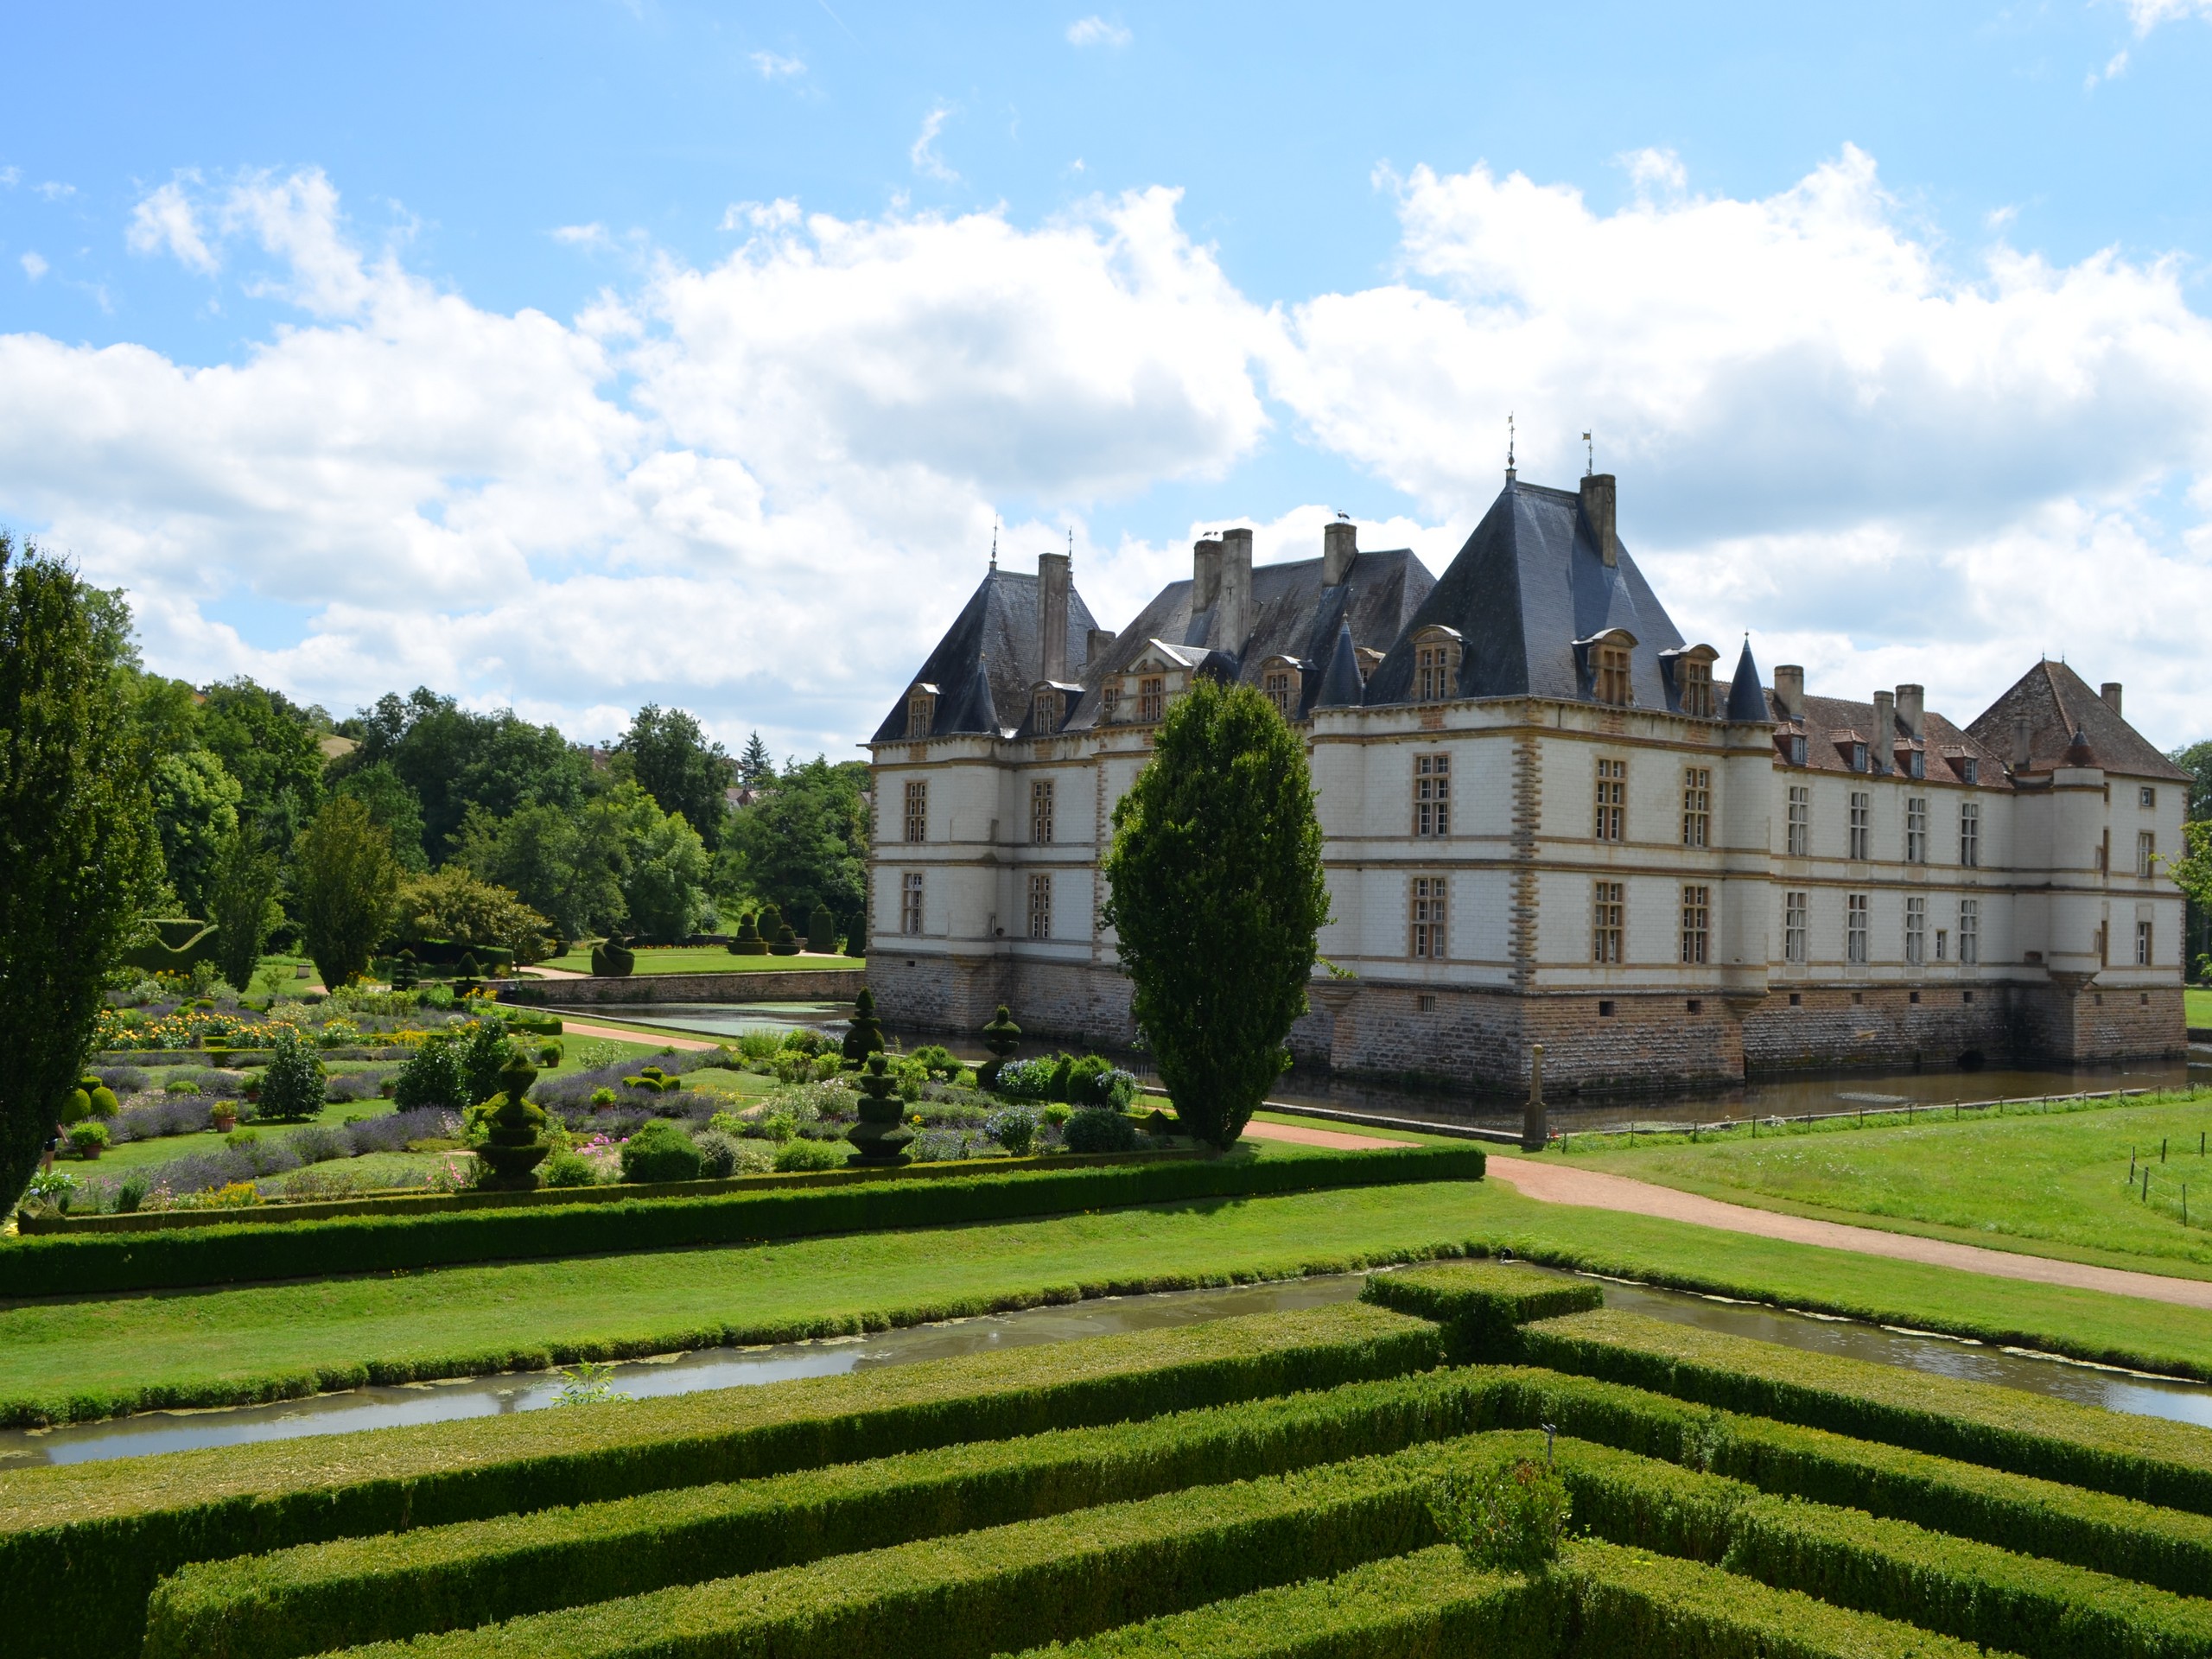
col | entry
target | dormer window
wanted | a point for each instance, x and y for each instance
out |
(1109, 703)
(1436, 666)
(1152, 697)
(921, 710)
(1970, 770)
(1697, 688)
(1612, 674)
(1045, 710)
(1919, 767)
(1797, 748)
(1274, 685)
(1855, 756)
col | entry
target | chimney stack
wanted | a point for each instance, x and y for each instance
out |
(1912, 709)
(2023, 740)
(1233, 621)
(1598, 499)
(1340, 547)
(1882, 741)
(2110, 693)
(1053, 614)
(1205, 574)
(1100, 642)
(1789, 690)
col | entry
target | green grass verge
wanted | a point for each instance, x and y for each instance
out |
(61, 1361)
(2055, 1184)
(2151, 1459)
(703, 959)
(87, 1542)
(2199, 1004)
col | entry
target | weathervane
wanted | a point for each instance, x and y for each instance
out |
(994, 544)
(1590, 459)
(1508, 447)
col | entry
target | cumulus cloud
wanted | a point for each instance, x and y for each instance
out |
(167, 221)
(1096, 31)
(2147, 15)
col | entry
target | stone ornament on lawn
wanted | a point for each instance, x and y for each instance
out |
(514, 1144)
(881, 1137)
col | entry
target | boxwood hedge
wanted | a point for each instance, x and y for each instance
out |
(1482, 1305)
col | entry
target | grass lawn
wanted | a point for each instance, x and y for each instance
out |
(219, 1345)
(2054, 1184)
(2200, 1006)
(702, 959)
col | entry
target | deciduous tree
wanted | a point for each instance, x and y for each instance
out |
(345, 879)
(1218, 898)
(242, 903)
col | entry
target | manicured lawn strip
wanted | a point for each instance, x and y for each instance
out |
(87, 1542)
(2147, 1458)
(1625, 1601)
(2015, 1603)
(319, 1596)
(64, 1360)
(2055, 1185)
(1427, 1603)
(96, 1263)
(1481, 1304)
(706, 959)
(995, 1590)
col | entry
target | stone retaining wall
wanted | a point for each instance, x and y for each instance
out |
(765, 985)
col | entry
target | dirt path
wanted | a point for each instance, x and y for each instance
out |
(690, 1044)
(1335, 1139)
(1556, 1183)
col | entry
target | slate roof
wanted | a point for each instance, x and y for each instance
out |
(1292, 615)
(990, 658)
(1527, 584)
(2058, 703)
(1829, 725)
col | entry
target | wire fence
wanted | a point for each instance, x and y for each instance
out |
(1866, 1115)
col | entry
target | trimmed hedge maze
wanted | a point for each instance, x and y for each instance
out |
(1254, 1487)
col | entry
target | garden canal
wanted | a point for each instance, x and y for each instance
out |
(483, 1396)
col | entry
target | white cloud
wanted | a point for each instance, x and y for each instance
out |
(775, 67)
(1660, 169)
(923, 153)
(1096, 31)
(2115, 67)
(10, 177)
(2147, 15)
(166, 220)
(53, 190)
(34, 267)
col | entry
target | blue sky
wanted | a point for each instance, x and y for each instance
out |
(579, 355)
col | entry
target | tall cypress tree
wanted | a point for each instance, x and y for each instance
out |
(1218, 898)
(77, 850)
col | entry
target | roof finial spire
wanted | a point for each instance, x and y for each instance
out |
(1590, 463)
(1509, 468)
(994, 544)
(1071, 549)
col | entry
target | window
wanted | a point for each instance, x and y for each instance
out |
(1697, 916)
(1855, 756)
(1942, 944)
(2142, 945)
(1697, 805)
(2147, 851)
(1916, 928)
(1109, 704)
(1436, 672)
(1696, 682)
(1612, 674)
(1970, 770)
(910, 903)
(1796, 748)
(917, 810)
(1793, 927)
(1045, 710)
(1799, 831)
(1040, 811)
(1862, 823)
(1276, 686)
(1607, 909)
(921, 712)
(1854, 927)
(1432, 795)
(1916, 830)
(1969, 930)
(2147, 798)
(1428, 919)
(1152, 697)
(1612, 798)
(1970, 834)
(1040, 905)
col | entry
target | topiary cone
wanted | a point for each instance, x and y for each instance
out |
(514, 1142)
(821, 931)
(881, 1137)
(1002, 1037)
(864, 1036)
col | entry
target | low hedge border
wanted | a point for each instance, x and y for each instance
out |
(86, 1543)
(1482, 1305)
(2146, 1457)
(1601, 1601)
(972, 1594)
(433, 1204)
(320, 1596)
(238, 1253)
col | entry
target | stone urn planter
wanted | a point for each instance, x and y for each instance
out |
(514, 1142)
(881, 1137)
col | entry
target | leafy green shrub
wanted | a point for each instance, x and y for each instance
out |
(1093, 1129)
(103, 1101)
(938, 1061)
(660, 1151)
(1510, 1517)
(602, 1099)
(805, 1040)
(1014, 1128)
(76, 1106)
(485, 1053)
(718, 1154)
(432, 1076)
(655, 1080)
(88, 1139)
(811, 1155)
(293, 1085)
(1057, 1113)
(913, 1077)
(567, 1170)
(180, 1086)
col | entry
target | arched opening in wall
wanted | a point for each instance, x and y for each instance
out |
(1972, 1060)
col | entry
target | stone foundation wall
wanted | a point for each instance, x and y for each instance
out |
(1883, 1026)
(760, 985)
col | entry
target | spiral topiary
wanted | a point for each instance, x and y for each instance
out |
(404, 973)
(864, 1036)
(514, 1143)
(748, 942)
(1002, 1037)
(610, 958)
(881, 1137)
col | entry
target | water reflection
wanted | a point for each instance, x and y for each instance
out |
(718, 1018)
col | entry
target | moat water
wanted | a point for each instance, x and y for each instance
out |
(357, 1410)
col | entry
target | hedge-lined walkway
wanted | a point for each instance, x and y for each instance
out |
(1555, 1182)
